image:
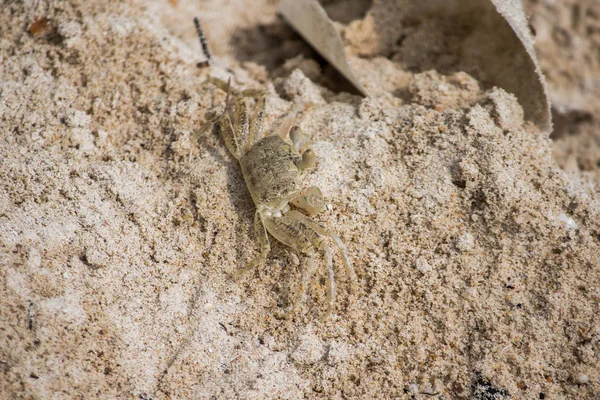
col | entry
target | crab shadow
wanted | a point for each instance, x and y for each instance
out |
(271, 45)
(238, 193)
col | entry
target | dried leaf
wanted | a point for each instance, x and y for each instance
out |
(39, 26)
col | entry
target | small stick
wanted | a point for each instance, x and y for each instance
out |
(206, 50)
(209, 59)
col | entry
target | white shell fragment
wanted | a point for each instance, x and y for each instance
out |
(309, 19)
(528, 84)
(568, 221)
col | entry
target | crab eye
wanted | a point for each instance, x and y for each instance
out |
(308, 160)
(309, 157)
(295, 134)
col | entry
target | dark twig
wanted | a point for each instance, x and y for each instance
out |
(204, 44)
(206, 50)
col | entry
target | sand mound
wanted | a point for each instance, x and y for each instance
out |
(121, 223)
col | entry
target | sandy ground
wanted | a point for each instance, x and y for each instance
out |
(475, 237)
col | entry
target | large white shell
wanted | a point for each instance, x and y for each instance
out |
(502, 23)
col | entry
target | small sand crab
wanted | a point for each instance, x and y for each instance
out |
(273, 169)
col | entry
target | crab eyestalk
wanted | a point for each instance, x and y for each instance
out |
(295, 134)
(308, 160)
(299, 139)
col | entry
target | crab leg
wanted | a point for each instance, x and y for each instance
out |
(259, 117)
(331, 289)
(285, 124)
(227, 128)
(326, 232)
(241, 123)
(229, 136)
(265, 246)
(309, 267)
(246, 133)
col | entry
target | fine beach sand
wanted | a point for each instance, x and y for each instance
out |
(475, 237)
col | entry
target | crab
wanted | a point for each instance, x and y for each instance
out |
(273, 169)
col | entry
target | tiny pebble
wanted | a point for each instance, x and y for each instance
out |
(466, 242)
(413, 388)
(568, 221)
(582, 379)
(102, 135)
(310, 349)
(422, 265)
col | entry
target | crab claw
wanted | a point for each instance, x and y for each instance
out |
(310, 201)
